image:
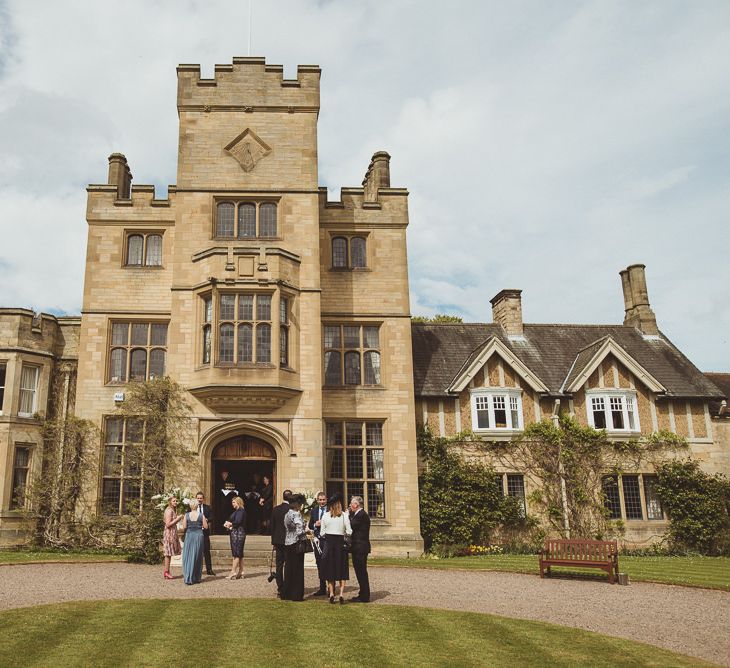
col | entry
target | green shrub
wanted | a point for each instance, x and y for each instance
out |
(697, 504)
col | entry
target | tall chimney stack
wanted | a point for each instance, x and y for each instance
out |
(638, 311)
(120, 175)
(507, 311)
(377, 176)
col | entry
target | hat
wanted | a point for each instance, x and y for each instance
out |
(334, 498)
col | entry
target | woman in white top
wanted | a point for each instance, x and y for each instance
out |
(334, 527)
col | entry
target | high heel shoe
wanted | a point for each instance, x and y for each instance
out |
(332, 599)
(342, 601)
(167, 575)
(232, 576)
(239, 576)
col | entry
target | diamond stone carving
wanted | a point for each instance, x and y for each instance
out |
(248, 148)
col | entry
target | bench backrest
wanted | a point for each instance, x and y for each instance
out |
(582, 550)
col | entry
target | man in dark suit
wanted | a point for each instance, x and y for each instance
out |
(278, 539)
(360, 523)
(226, 491)
(208, 514)
(315, 520)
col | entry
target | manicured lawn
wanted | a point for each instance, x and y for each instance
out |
(711, 572)
(232, 632)
(29, 556)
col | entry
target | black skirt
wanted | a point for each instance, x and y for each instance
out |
(334, 559)
(238, 539)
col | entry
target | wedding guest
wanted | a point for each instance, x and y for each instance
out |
(278, 539)
(226, 490)
(236, 524)
(315, 522)
(266, 502)
(294, 564)
(360, 521)
(170, 540)
(207, 512)
(334, 527)
(194, 525)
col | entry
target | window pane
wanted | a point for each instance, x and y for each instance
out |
(352, 368)
(352, 337)
(267, 225)
(114, 430)
(224, 221)
(516, 489)
(206, 344)
(374, 433)
(110, 497)
(283, 310)
(263, 307)
(246, 220)
(154, 250)
(284, 346)
(20, 477)
(135, 243)
(357, 252)
(139, 333)
(227, 307)
(611, 497)
(2, 385)
(245, 343)
(118, 366)
(353, 434)
(334, 463)
(371, 337)
(332, 370)
(208, 309)
(334, 433)
(135, 431)
(632, 497)
(653, 504)
(131, 496)
(355, 489)
(112, 460)
(372, 368)
(514, 408)
(376, 464)
(245, 307)
(22, 457)
(157, 363)
(28, 383)
(159, 334)
(376, 499)
(336, 488)
(120, 333)
(332, 337)
(225, 345)
(500, 413)
(263, 343)
(617, 412)
(630, 412)
(339, 253)
(132, 464)
(481, 405)
(599, 415)
(138, 365)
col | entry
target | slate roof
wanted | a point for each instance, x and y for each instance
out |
(441, 351)
(722, 381)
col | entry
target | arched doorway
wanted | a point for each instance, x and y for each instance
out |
(247, 460)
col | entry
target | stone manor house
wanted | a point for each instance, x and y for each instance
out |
(286, 317)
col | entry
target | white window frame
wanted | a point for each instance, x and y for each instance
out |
(34, 389)
(629, 408)
(510, 396)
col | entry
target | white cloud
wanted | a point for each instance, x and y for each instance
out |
(545, 145)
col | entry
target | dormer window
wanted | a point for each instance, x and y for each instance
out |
(496, 409)
(613, 410)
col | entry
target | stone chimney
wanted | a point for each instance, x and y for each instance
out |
(377, 176)
(638, 312)
(507, 311)
(119, 175)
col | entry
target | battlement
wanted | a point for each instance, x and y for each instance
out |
(248, 84)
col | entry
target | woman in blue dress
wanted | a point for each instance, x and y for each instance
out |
(192, 556)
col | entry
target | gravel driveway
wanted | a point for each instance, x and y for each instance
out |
(681, 619)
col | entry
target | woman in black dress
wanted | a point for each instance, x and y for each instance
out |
(334, 526)
(236, 524)
(294, 560)
(267, 503)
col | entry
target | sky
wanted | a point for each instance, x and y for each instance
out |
(545, 145)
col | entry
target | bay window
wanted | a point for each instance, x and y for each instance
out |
(496, 409)
(612, 410)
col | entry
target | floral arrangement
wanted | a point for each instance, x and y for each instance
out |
(183, 496)
(310, 501)
(480, 550)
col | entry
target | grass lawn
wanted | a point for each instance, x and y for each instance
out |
(36, 556)
(711, 572)
(264, 633)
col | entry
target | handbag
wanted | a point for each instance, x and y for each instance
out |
(304, 545)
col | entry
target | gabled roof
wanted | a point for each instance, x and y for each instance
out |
(441, 352)
(722, 381)
(588, 359)
(478, 359)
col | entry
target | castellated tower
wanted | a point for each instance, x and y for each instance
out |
(285, 316)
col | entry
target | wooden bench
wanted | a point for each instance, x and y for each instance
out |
(601, 554)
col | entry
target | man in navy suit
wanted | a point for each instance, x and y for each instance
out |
(208, 514)
(315, 520)
(360, 523)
